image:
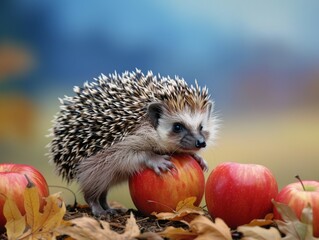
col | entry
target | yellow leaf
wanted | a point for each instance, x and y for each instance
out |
(49, 220)
(258, 233)
(32, 206)
(185, 210)
(53, 212)
(15, 225)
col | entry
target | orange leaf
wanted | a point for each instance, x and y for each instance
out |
(262, 222)
(185, 210)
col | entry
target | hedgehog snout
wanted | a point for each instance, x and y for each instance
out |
(200, 143)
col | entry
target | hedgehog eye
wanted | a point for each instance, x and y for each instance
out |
(177, 127)
(200, 127)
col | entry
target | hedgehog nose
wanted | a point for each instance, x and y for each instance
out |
(200, 144)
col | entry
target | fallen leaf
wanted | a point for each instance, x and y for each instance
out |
(292, 227)
(268, 220)
(201, 228)
(185, 210)
(88, 228)
(15, 221)
(131, 228)
(149, 236)
(206, 229)
(178, 234)
(53, 213)
(32, 206)
(34, 225)
(259, 233)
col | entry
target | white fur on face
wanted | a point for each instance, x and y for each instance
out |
(191, 120)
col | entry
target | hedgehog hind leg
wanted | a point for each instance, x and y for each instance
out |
(99, 206)
(96, 207)
(96, 175)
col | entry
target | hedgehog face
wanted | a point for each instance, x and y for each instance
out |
(185, 131)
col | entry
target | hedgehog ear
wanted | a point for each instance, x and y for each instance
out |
(154, 111)
(210, 108)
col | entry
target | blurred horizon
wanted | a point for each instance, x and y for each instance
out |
(259, 59)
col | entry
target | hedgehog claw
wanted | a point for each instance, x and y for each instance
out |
(201, 161)
(160, 164)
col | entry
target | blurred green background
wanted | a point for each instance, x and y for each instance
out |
(259, 59)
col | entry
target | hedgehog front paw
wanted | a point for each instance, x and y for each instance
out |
(201, 161)
(160, 163)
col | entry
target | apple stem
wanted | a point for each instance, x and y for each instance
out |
(299, 179)
(30, 183)
(75, 204)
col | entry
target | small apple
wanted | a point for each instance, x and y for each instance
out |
(153, 193)
(13, 183)
(239, 193)
(297, 196)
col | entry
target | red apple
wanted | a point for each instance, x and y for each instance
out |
(153, 193)
(239, 193)
(297, 198)
(13, 183)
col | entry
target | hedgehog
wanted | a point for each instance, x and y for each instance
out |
(117, 125)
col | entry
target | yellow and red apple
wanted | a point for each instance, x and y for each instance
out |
(13, 183)
(297, 197)
(161, 193)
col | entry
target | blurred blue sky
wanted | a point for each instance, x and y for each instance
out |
(230, 46)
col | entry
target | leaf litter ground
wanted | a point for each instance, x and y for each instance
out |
(186, 222)
(118, 221)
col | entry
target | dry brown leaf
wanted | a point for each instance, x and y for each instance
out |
(259, 233)
(178, 234)
(201, 228)
(34, 225)
(149, 236)
(292, 227)
(185, 210)
(207, 229)
(88, 228)
(131, 228)
(15, 221)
